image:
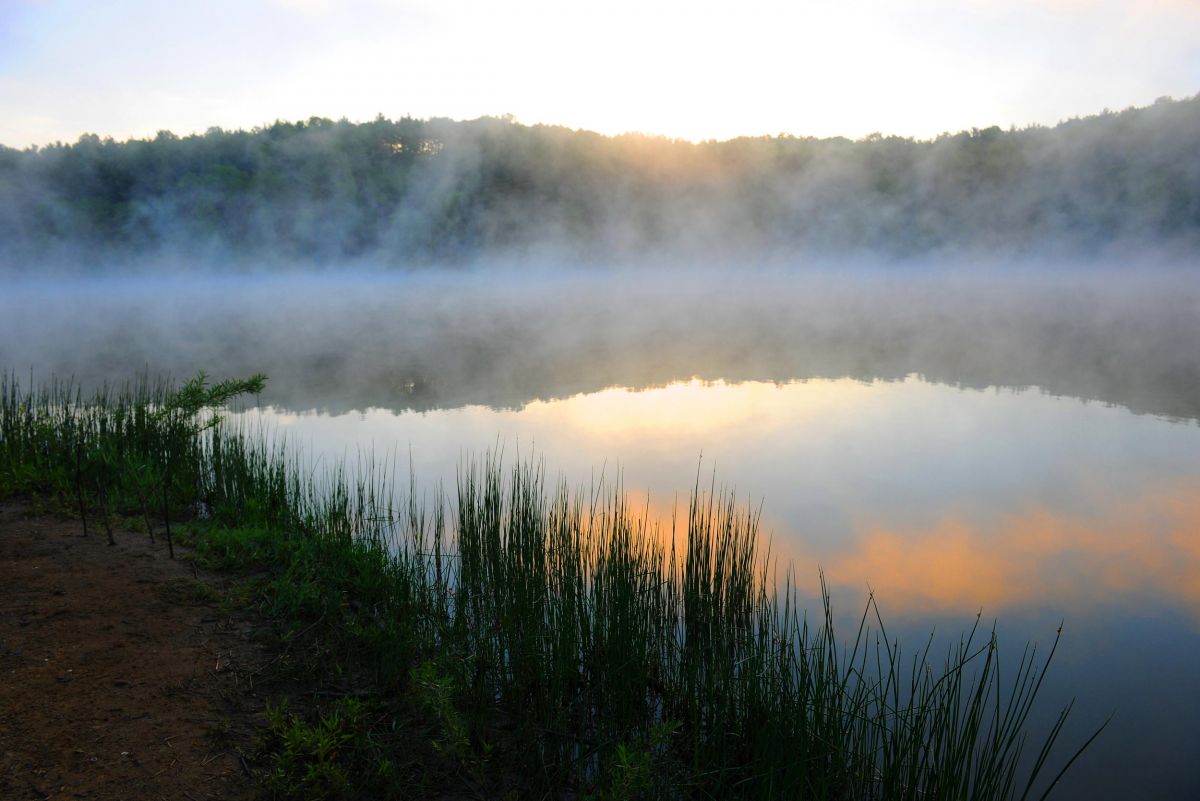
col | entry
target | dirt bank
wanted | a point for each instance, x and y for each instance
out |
(121, 675)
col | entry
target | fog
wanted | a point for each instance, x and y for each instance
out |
(399, 194)
(419, 265)
(416, 264)
(1121, 333)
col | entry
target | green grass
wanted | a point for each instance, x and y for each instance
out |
(523, 640)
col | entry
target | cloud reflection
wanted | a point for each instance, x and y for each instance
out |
(1144, 546)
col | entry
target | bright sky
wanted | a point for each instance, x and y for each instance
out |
(689, 68)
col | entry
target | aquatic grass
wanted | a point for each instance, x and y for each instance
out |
(541, 639)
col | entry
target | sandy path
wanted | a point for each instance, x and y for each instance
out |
(120, 678)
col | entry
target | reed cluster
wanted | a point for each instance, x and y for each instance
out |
(546, 642)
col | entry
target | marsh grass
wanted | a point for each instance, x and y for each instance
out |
(532, 639)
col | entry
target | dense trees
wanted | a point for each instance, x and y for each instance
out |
(417, 191)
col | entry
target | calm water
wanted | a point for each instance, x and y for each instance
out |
(1035, 509)
(1025, 447)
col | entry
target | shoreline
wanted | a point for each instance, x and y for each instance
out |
(529, 642)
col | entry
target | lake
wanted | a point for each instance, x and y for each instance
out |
(1022, 444)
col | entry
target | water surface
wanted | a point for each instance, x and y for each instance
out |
(1022, 445)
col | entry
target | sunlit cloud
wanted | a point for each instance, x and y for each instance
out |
(307, 7)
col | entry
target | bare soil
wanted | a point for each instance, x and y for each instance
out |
(122, 676)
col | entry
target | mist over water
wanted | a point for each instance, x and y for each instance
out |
(504, 337)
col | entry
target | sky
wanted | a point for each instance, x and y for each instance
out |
(691, 69)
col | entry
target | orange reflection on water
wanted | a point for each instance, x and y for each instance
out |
(1144, 545)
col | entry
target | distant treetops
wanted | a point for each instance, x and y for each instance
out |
(413, 191)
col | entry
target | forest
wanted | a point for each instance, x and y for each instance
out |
(410, 192)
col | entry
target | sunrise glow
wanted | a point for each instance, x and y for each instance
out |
(695, 70)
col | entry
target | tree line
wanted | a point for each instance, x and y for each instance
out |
(410, 191)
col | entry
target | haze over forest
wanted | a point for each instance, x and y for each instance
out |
(412, 192)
